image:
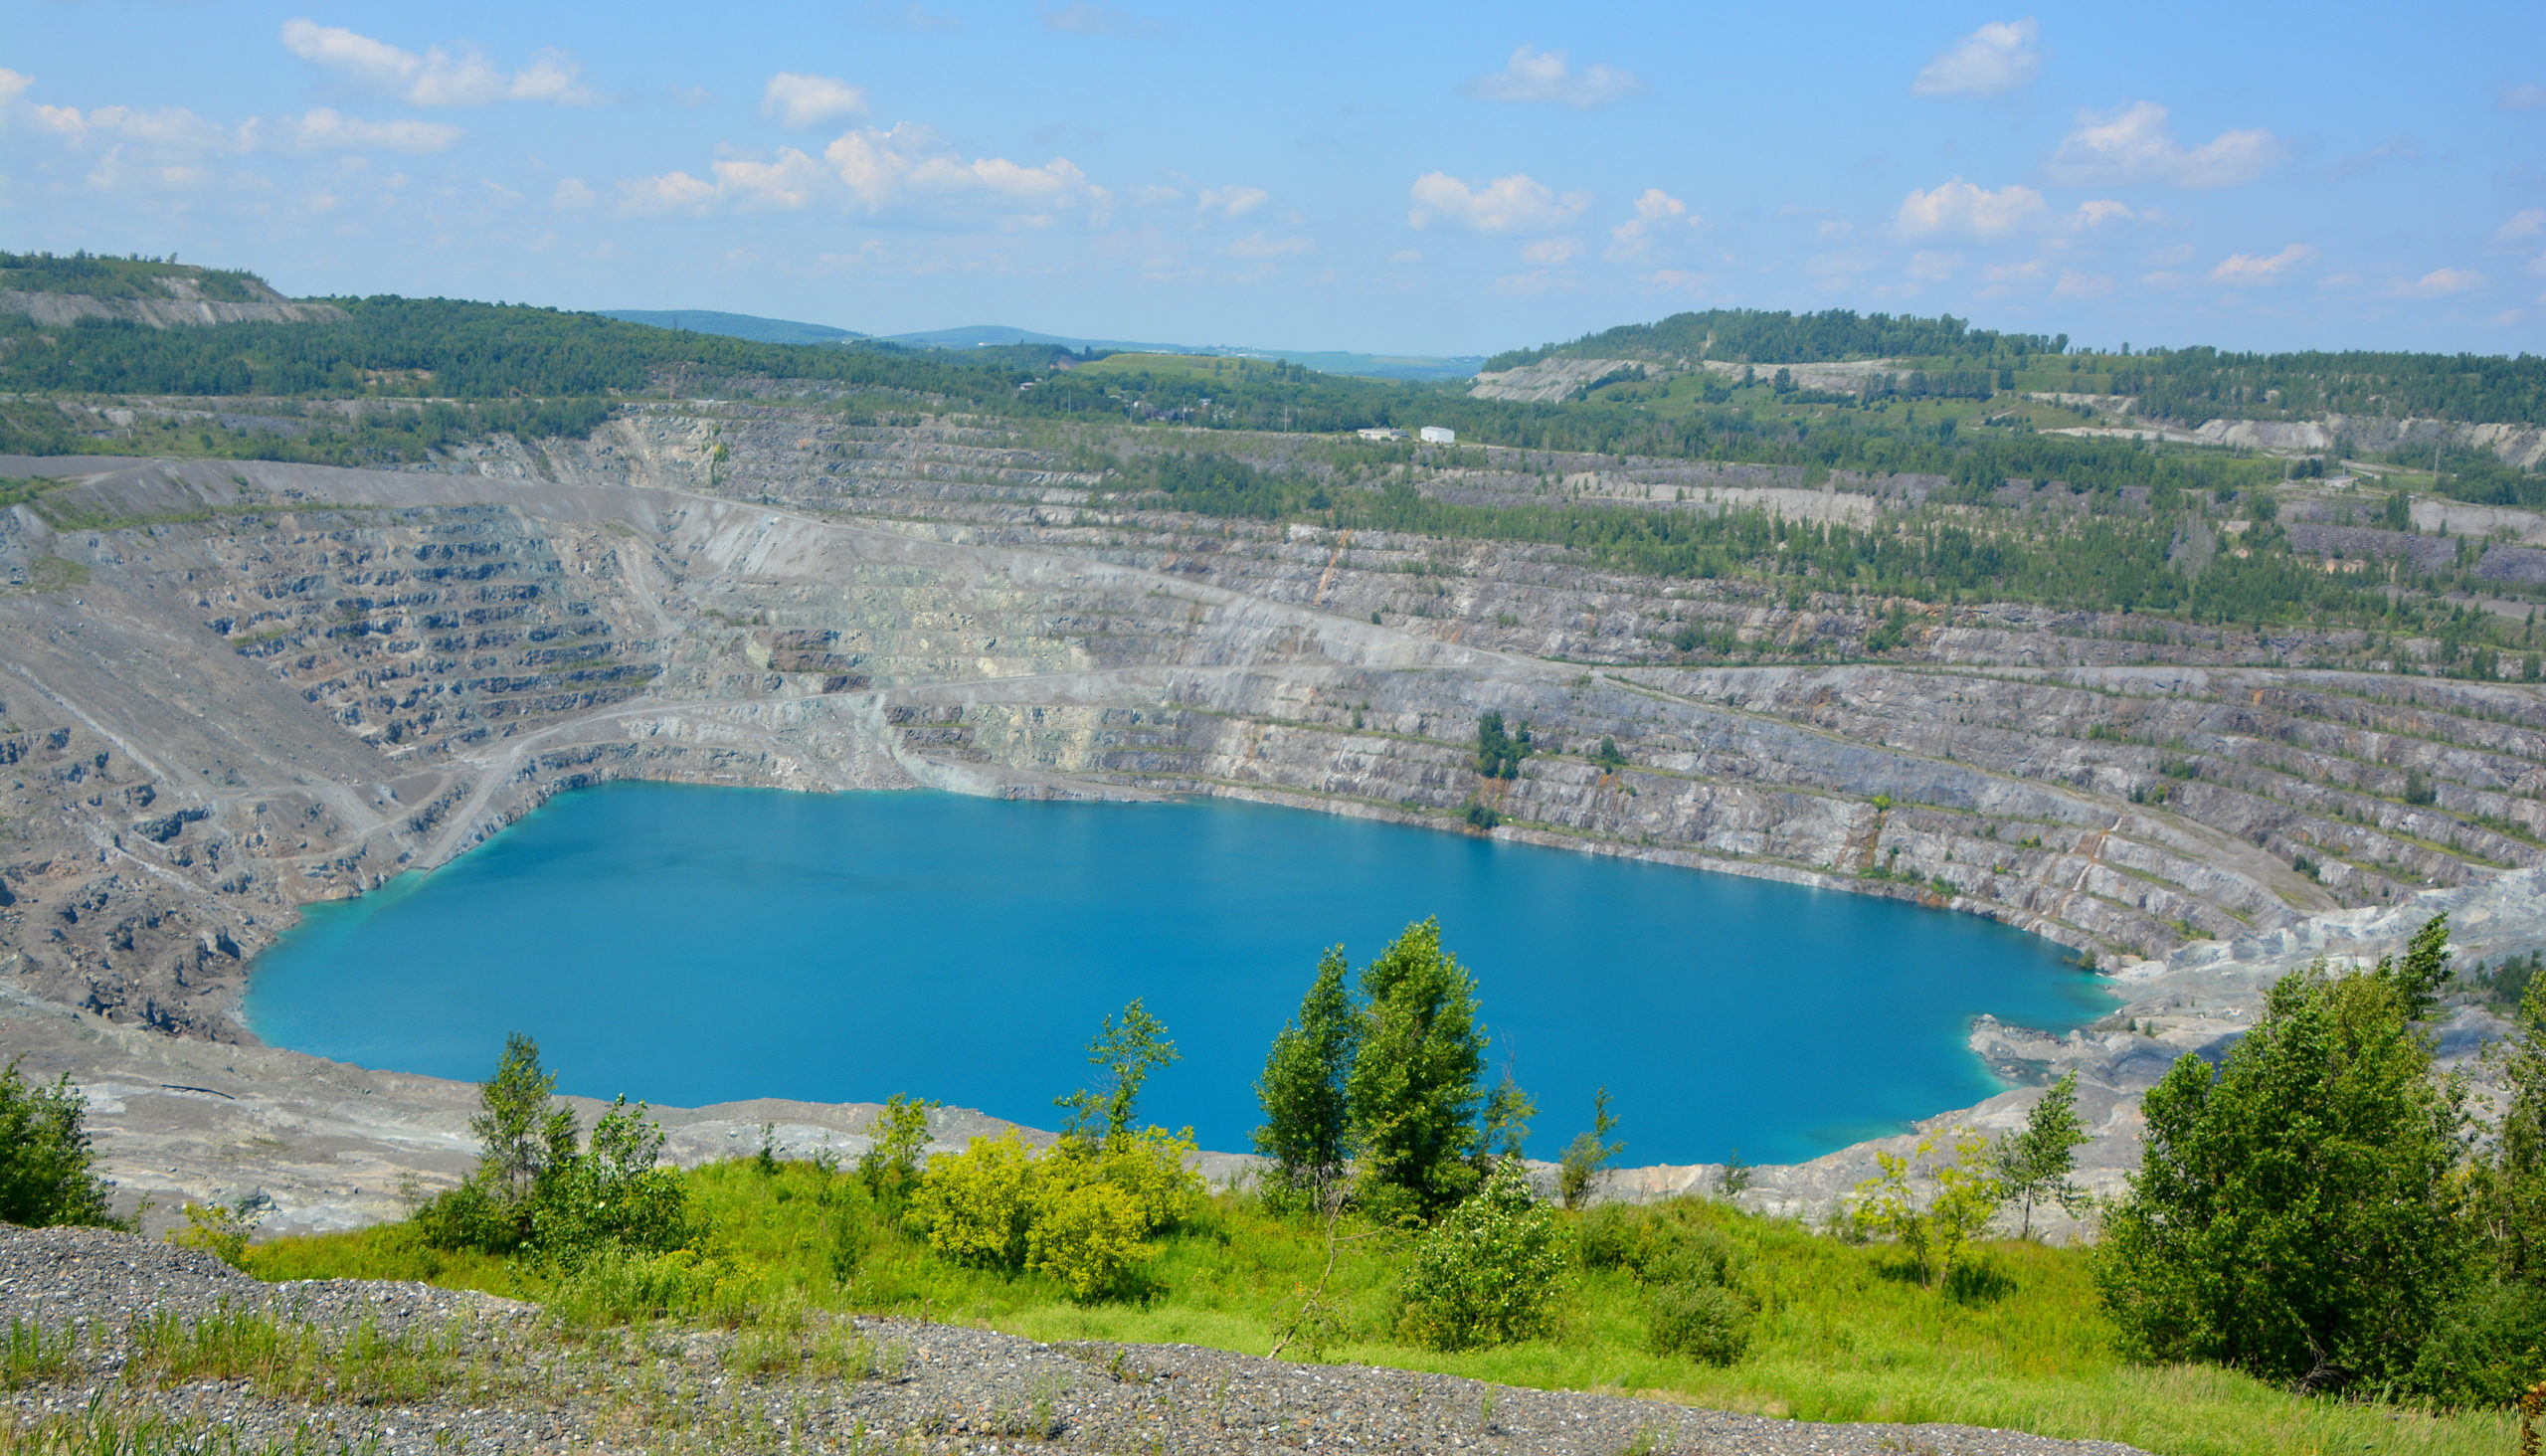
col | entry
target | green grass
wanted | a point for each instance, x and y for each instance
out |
(1843, 1332)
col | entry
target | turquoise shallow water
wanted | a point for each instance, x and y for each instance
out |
(691, 945)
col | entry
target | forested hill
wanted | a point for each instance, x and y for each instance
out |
(2188, 385)
(1752, 337)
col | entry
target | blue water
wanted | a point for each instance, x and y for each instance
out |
(690, 945)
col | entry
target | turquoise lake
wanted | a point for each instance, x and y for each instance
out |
(692, 944)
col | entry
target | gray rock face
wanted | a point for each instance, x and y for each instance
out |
(60, 311)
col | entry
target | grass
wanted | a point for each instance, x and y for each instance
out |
(1843, 1332)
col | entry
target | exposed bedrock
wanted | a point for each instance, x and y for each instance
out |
(227, 689)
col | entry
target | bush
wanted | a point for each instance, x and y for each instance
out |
(1935, 1225)
(1088, 1238)
(1707, 1323)
(46, 1163)
(2490, 1347)
(897, 1143)
(1490, 1272)
(1148, 1168)
(219, 1230)
(979, 1204)
(1655, 1248)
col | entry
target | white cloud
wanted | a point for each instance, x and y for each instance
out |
(325, 129)
(1930, 267)
(1963, 209)
(1085, 19)
(2523, 225)
(2076, 284)
(670, 192)
(2527, 97)
(784, 184)
(1231, 202)
(571, 196)
(437, 78)
(1673, 279)
(1156, 194)
(12, 86)
(1514, 204)
(1998, 57)
(2440, 282)
(795, 100)
(2134, 145)
(1534, 76)
(911, 164)
(1552, 252)
(1256, 245)
(1654, 211)
(2257, 271)
(2098, 212)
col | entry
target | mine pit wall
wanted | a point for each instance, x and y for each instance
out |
(380, 670)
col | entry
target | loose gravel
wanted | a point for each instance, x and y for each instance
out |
(473, 1372)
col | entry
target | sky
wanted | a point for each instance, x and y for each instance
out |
(1410, 178)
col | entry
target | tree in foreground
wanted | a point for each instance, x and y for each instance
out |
(1588, 1154)
(2034, 1166)
(538, 1190)
(1935, 1205)
(1414, 1089)
(48, 1171)
(2298, 1213)
(1490, 1271)
(1126, 1051)
(1305, 1095)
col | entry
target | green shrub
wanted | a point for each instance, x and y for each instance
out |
(1148, 1168)
(1088, 1238)
(219, 1230)
(47, 1171)
(1705, 1321)
(977, 1204)
(1490, 1272)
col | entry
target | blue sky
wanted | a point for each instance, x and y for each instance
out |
(1412, 178)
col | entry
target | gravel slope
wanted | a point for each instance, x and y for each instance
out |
(468, 1371)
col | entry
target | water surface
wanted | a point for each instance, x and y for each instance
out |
(690, 945)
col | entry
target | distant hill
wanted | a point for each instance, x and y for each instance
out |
(1750, 335)
(734, 325)
(1412, 367)
(59, 289)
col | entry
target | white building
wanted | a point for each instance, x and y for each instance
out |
(1439, 434)
(1380, 432)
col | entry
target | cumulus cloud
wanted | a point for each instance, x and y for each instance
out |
(910, 163)
(795, 100)
(12, 86)
(2132, 144)
(1231, 202)
(1256, 245)
(1654, 211)
(437, 78)
(1998, 57)
(1929, 265)
(2528, 96)
(571, 196)
(667, 193)
(1547, 76)
(1552, 252)
(2262, 270)
(325, 129)
(1967, 210)
(2523, 225)
(1085, 19)
(2440, 282)
(1515, 204)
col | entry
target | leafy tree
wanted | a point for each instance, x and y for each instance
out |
(1127, 1052)
(1305, 1092)
(1936, 1225)
(1609, 759)
(1498, 752)
(2297, 1210)
(1589, 1153)
(47, 1168)
(1489, 1272)
(1415, 1086)
(897, 1142)
(519, 1134)
(2034, 1166)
